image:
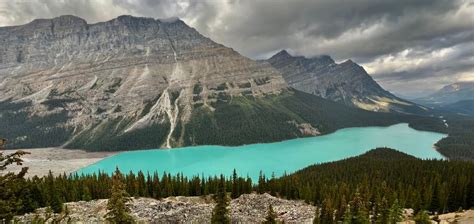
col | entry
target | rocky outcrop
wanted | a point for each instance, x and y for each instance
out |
(250, 208)
(306, 129)
(347, 82)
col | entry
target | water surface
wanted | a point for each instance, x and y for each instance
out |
(275, 157)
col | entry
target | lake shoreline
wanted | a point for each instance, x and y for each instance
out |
(41, 160)
(60, 160)
(272, 158)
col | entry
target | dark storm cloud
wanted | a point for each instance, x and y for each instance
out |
(398, 41)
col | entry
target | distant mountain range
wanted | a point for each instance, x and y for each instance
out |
(137, 83)
(464, 107)
(347, 83)
(450, 94)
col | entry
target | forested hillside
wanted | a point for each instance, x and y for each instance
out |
(460, 142)
(245, 120)
(384, 174)
(231, 121)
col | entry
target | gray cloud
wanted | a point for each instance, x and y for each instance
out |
(386, 37)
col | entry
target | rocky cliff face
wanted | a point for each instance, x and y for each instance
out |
(136, 72)
(347, 83)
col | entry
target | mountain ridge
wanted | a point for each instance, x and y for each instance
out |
(345, 82)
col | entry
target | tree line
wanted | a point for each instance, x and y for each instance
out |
(460, 142)
(379, 180)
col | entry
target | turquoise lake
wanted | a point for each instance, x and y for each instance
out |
(277, 157)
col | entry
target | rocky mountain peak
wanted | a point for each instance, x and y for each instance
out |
(346, 82)
(284, 57)
(320, 59)
(171, 20)
(64, 20)
(134, 21)
(326, 59)
(281, 54)
(348, 62)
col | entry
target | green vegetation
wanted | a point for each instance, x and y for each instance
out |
(371, 187)
(220, 213)
(117, 204)
(317, 216)
(197, 89)
(222, 86)
(422, 218)
(244, 85)
(385, 173)
(261, 81)
(26, 131)
(459, 144)
(235, 121)
(245, 120)
(327, 212)
(108, 135)
(11, 186)
(271, 216)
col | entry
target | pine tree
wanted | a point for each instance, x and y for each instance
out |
(342, 209)
(383, 213)
(235, 185)
(117, 205)
(261, 183)
(317, 216)
(395, 213)
(220, 213)
(347, 218)
(140, 185)
(156, 186)
(86, 194)
(327, 212)
(422, 218)
(56, 202)
(358, 210)
(10, 184)
(435, 205)
(271, 216)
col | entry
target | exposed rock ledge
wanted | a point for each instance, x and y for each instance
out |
(249, 208)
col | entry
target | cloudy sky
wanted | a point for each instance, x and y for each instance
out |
(410, 47)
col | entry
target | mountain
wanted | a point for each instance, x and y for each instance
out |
(347, 83)
(449, 94)
(139, 83)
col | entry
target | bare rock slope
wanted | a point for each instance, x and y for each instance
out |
(347, 83)
(250, 208)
